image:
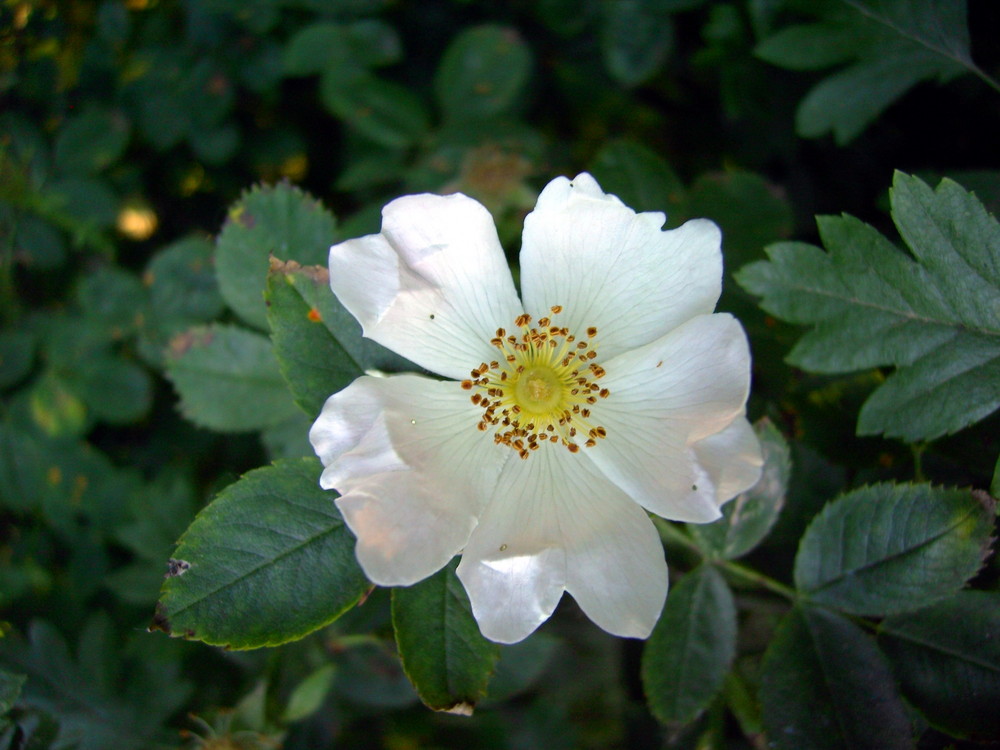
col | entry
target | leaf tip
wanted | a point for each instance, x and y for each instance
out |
(160, 621)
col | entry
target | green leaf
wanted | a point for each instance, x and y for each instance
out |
(388, 113)
(892, 548)
(183, 290)
(995, 484)
(10, 689)
(114, 298)
(872, 305)
(319, 46)
(750, 210)
(317, 342)
(91, 141)
(228, 380)
(344, 49)
(640, 177)
(947, 659)
(445, 656)
(104, 697)
(39, 246)
(89, 204)
(113, 389)
(893, 46)
(483, 73)
(268, 561)
(826, 686)
(636, 39)
(309, 694)
(748, 518)
(282, 221)
(56, 408)
(17, 355)
(686, 658)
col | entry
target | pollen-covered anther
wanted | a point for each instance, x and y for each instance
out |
(538, 389)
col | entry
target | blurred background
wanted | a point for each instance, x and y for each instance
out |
(127, 129)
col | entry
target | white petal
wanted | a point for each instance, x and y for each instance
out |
(614, 269)
(732, 458)
(665, 397)
(555, 523)
(433, 286)
(412, 469)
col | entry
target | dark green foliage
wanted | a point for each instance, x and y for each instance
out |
(172, 175)
(933, 317)
(887, 548)
(823, 683)
(443, 653)
(269, 561)
(690, 651)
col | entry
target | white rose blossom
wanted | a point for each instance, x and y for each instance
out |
(609, 389)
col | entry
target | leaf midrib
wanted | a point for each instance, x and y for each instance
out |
(937, 648)
(965, 62)
(172, 615)
(858, 302)
(883, 560)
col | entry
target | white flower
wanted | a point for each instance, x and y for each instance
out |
(608, 390)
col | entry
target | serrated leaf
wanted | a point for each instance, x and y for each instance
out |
(282, 221)
(947, 659)
(268, 561)
(482, 73)
(317, 342)
(826, 686)
(892, 548)
(935, 318)
(747, 519)
(445, 656)
(893, 45)
(228, 379)
(689, 652)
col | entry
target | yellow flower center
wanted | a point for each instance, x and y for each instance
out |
(541, 387)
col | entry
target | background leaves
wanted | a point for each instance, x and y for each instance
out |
(152, 353)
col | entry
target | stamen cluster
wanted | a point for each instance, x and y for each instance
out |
(541, 387)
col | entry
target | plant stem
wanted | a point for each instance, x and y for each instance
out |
(756, 578)
(674, 533)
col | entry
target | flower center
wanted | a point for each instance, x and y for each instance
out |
(541, 388)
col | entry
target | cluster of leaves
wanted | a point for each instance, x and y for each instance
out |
(145, 367)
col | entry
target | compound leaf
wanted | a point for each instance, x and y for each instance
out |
(934, 316)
